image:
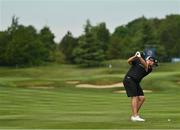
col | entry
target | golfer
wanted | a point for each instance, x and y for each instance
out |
(139, 69)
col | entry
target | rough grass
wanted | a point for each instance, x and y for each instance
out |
(27, 102)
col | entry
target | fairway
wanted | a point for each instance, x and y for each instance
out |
(39, 97)
(71, 64)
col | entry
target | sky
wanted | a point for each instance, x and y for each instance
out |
(71, 15)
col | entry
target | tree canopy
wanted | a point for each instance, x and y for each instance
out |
(24, 45)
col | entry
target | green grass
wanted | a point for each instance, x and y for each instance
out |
(25, 104)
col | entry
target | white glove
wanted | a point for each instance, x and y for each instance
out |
(138, 54)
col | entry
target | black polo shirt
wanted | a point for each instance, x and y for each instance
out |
(137, 71)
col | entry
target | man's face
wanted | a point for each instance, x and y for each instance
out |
(150, 62)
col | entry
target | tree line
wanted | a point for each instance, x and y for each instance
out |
(25, 46)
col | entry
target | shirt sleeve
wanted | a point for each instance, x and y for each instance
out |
(135, 62)
(150, 70)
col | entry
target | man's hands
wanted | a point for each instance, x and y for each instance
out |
(138, 54)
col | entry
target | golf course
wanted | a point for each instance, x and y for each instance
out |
(47, 97)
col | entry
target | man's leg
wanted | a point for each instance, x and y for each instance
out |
(141, 100)
(134, 105)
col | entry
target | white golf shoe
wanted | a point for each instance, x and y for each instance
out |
(137, 118)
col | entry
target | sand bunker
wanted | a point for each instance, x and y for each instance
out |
(72, 82)
(123, 91)
(100, 86)
(41, 87)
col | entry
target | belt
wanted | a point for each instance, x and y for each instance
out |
(127, 76)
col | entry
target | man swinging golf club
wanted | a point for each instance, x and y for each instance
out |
(140, 67)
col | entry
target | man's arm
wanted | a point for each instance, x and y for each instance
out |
(131, 59)
(144, 63)
(138, 55)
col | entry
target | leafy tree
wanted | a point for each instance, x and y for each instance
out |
(89, 52)
(169, 36)
(22, 45)
(57, 56)
(4, 41)
(114, 48)
(14, 24)
(67, 46)
(24, 48)
(121, 32)
(102, 35)
(148, 37)
(47, 38)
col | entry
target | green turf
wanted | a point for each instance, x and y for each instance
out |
(25, 104)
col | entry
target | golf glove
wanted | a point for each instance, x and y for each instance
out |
(138, 54)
